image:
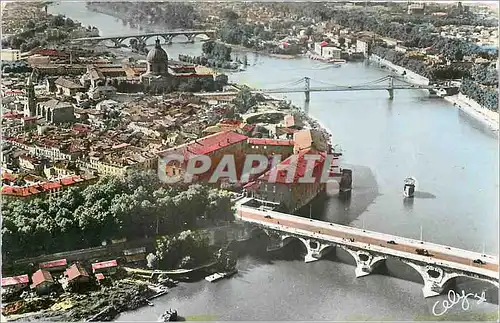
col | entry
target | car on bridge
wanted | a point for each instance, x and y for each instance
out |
(423, 252)
(479, 261)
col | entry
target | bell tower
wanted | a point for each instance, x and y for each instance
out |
(30, 106)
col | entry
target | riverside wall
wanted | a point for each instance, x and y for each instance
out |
(487, 118)
(410, 76)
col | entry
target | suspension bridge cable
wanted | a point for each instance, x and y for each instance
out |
(287, 84)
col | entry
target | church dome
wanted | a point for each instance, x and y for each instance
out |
(157, 54)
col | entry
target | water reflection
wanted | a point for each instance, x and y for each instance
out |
(408, 203)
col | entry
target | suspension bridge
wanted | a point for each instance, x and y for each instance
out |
(387, 83)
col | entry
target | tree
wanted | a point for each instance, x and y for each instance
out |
(341, 41)
(208, 47)
(57, 21)
(221, 80)
(244, 100)
(230, 15)
(16, 42)
(30, 24)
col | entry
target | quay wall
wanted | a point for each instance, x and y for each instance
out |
(487, 118)
(217, 236)
(410, 76)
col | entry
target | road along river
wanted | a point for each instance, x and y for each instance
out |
(385, 141)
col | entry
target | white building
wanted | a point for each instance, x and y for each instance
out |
(10, 54)
(330, 51)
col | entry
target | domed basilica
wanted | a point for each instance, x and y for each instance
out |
(157, 77)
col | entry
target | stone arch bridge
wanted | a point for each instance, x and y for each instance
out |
(143, 38)
(437, 268)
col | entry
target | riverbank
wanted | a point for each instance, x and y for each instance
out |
(488, 118)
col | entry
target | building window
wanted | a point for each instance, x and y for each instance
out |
(274, 188)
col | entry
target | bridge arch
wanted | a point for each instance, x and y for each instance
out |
(399, 268)
(287, 239)
(258, 232)
(327, 250)
(473, 285)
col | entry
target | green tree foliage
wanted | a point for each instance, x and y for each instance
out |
(245, 100)
(221, 80)
(485, 96)
(182, 250)
(133, 206)
(169, 14)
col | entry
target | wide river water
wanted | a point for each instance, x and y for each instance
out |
(455, 162)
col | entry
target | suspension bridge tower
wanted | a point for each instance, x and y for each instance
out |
(307, 90)
(390, 89)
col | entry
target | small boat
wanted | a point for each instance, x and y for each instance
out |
(410, 187)
(168, 316)
(218, 276)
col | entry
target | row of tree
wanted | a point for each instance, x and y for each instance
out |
(132, 207)
(167, 14)
(34, 35)
(485, 96)
(209, 62)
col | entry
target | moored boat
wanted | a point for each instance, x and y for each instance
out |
(218, 276)
(410, 187)
(169, 316)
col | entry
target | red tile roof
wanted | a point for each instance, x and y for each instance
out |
(13, 115)
(230, 122)
(99, 276)
(104, 264)
(49, 52)
(323, 43)
(270, 142)
(75, 271)
(9, 177)
(208, 144)
(301, 168)
(24, 191)
(41, 276)
(17, 280)
(54, 263)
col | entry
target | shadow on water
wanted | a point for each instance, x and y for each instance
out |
(424, 195)
(408, 203)
(344, 209)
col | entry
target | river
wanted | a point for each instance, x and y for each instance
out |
(455, 162)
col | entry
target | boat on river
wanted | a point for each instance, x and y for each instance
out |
(169, 316)
(218, 276)
(410, 187)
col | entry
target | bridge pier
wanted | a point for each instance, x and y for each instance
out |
(190, 38)
(314, 249)
(308, 96)
(365, 261)
(391, 94)
(434, 278)
(168, 39)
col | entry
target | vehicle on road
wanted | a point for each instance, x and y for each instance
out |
(391, 242)
(267, 217)
(423, 252)
(479, 261)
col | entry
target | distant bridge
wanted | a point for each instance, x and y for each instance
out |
(369, 249)
(143, 38)
(376, 85)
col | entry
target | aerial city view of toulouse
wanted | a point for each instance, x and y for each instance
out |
(249, 161)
